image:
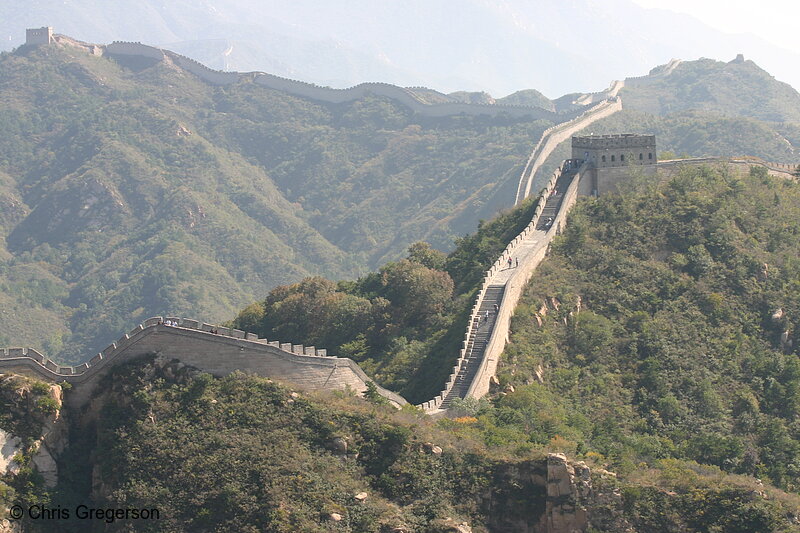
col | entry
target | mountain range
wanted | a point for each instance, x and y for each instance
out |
(497, 46)
(132, 189)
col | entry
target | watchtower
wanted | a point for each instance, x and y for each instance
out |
(37, 36)
(613, 157)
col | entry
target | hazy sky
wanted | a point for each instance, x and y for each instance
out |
(776, 21)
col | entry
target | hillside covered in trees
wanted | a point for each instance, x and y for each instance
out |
(402, 324)
(133, 190)
(243, 453)
(661, 357)
(708, 108)
(675, 337)
(658, 339)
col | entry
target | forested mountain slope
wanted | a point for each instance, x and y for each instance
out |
(659, 338)
(675, 337)
(133, 190)
(243, 453)
(736, 88)
(707, 108)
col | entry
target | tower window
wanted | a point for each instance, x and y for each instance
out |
(604, 159)
(641, 156)
(650, 155)
(612, 158)
(622, 157)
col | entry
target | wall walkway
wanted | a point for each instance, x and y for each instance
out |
(485, 338)
(503, 284)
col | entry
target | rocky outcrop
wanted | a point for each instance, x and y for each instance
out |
(568, 488)
(10, 446)
(552, 495)
(37, 415)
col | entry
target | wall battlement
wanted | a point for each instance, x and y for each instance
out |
(780, 170)
(213, 349)
(654, 75)
(622, 141)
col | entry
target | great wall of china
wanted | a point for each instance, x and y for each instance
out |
(194, 344)
(220, 351)
(327, 94)
(214, 349)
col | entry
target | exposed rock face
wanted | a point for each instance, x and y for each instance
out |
(46, 466)
(450, 525)
(338, 445)
(567, 487)
(7, 526)
(52, 436)
(431, 448)
(53, 440)
(9, 447)
(545, 496)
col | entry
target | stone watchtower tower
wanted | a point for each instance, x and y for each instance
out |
(36, 36)
(612, 158)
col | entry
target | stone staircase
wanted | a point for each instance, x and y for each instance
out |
(480, 333)
(553, 203)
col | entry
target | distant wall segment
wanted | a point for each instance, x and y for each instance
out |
(780, 170)
(328, 94)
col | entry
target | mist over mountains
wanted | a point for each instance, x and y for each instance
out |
(497, 46)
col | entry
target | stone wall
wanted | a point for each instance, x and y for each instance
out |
(550, 138)
(611, 92)
(134, 49)
(608, 180)
(215, 77)
(779, 170)
(193, 343)
(654, 75)
(516, 285)
(554, 136)
(327, 94)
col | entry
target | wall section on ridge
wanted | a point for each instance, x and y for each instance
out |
(216, 354)
(515, 286)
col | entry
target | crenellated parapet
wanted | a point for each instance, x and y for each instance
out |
(214, 349)
(780, 170)
(126, 48)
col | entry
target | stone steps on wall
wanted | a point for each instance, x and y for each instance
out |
(553, 204)
(480, 335)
